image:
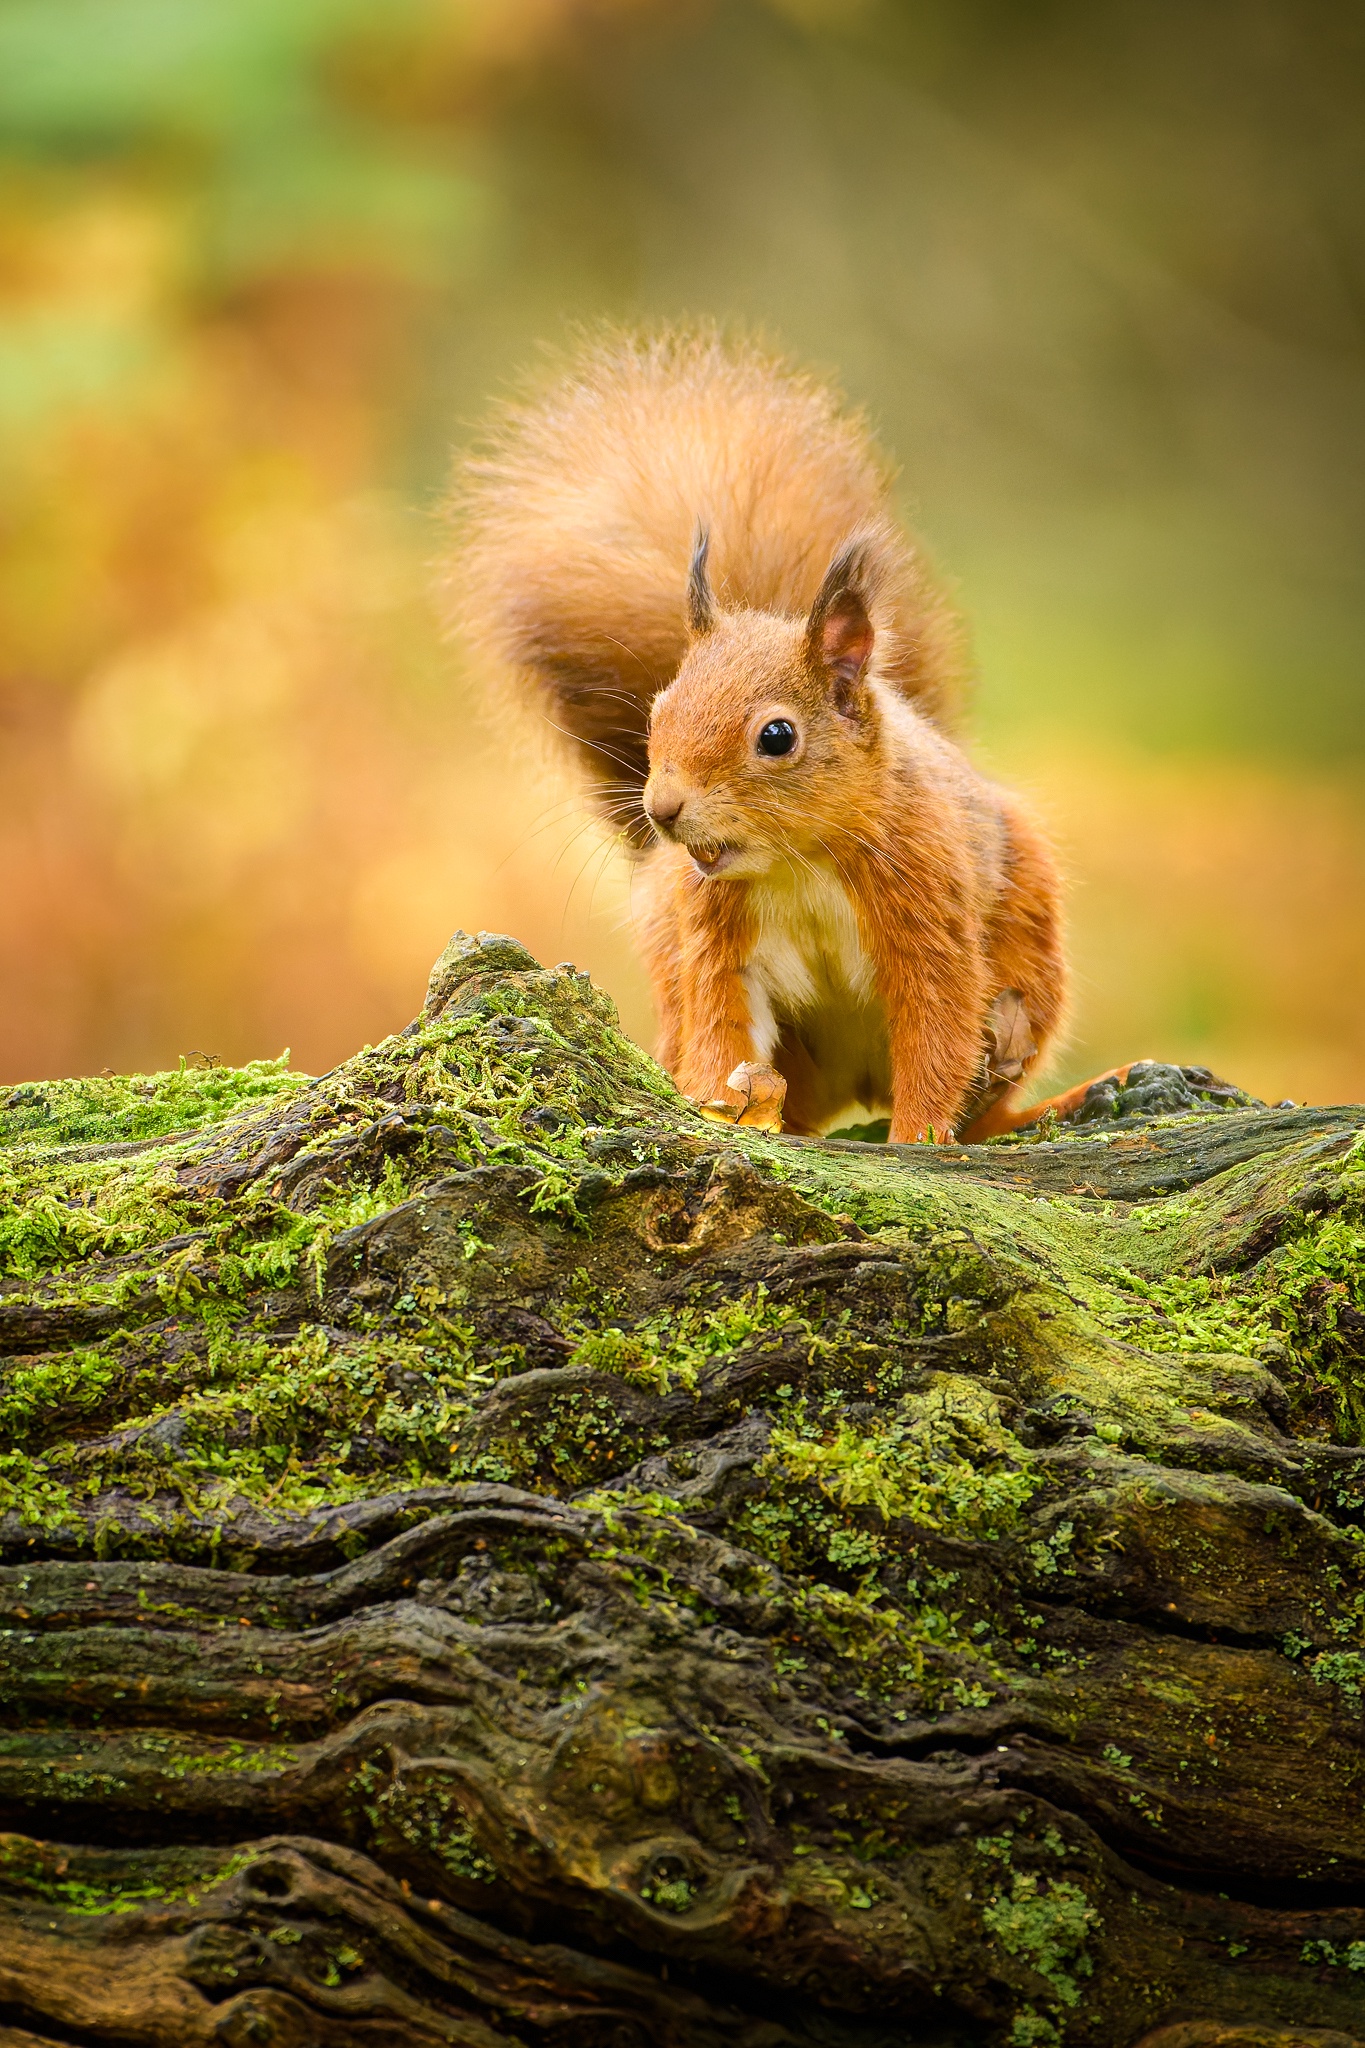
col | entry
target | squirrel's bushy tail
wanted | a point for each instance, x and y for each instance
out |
(576, 519)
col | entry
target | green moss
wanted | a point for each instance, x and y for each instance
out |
(912, 1649)
(226, 1759)
(913, 1464)
(286, 1422)
(1045, 1920)
(425, 1815)
(39, 1499)
(161, 1878)
(1315, 1289)
(109, 1109)
(819, 1882)
(675, 1349)
(1196, 1274)
(54, 1214)
(227, 1380)
(45, 1393)
(578, 1433)
(1032, 2029)
(1344, 1669)
(633, 1357)
(1350, 1957)
(1199, 1313)
(670, 1894)
(576, 1436)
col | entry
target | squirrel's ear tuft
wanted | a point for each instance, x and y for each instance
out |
(701, 606)
(839, 635)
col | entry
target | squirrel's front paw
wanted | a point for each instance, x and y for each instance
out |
(758, 1095)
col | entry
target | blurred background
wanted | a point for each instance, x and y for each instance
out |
(1098, 274)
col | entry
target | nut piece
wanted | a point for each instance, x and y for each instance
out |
(762, 1092)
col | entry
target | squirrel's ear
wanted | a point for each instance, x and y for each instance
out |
(839, 633)
(701, 606)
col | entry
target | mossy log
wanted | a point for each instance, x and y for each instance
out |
(491, 1558)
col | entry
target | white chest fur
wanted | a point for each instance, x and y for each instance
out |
(808, 967)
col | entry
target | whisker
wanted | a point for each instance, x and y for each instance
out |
(554, 815)
(601, 690)
(571, 841)
(592, 855)
(593, 886)
(638, 659)
(597, 746)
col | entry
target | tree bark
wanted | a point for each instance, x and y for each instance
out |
(490, 1558)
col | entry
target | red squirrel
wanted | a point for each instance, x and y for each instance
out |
(684, 554)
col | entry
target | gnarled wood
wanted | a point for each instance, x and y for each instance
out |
(492, 1558)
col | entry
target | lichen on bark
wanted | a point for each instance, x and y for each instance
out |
(491, 1558)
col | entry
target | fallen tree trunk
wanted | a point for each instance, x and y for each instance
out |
(490, 1558)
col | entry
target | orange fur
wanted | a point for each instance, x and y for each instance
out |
(848, 909)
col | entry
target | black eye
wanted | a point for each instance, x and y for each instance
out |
(777, 737)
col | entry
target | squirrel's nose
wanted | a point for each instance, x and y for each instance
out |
(663, 803)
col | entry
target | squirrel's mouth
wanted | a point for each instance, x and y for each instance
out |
(713, 859)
